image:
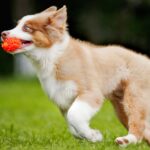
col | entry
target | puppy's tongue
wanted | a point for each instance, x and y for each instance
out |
(25, 43)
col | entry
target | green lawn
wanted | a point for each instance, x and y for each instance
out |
(29, 121)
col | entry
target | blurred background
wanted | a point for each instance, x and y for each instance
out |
(125, 22)
(28, 120)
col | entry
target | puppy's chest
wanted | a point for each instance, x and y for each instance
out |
(61, 92)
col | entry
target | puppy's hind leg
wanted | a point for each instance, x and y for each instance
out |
(116, 99)
(147, 132)
(82, 110)
(133, 104)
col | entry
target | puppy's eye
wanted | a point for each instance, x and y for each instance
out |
(27, 29)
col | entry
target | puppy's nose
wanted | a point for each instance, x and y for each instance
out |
(4, 35)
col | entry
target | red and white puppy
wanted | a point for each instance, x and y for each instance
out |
(78, 75)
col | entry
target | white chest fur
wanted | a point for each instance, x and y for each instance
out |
(61, 92)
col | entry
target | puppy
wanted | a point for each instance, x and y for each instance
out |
(78, 76)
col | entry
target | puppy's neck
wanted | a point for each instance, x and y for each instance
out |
(41, 57)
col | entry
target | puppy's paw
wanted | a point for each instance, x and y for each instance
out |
(74, 132)
(94, 136)
(126, 140)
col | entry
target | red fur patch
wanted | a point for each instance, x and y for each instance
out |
(47, 27)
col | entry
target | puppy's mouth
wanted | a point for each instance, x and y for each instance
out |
(14, 46)
(26, 43)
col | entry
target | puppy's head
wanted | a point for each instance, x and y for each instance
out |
(40, 30)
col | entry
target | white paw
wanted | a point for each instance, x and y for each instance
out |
(125, 140)
(94, 136)
(73, 131)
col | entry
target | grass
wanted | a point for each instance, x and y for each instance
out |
(29, 121)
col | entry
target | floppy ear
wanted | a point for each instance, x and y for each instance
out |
(60, 17)
(50, 9)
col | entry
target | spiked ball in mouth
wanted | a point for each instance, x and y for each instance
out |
(12, 44)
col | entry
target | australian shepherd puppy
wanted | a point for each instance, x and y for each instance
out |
(78, 76)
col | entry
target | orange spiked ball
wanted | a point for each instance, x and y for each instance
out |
(11, 44)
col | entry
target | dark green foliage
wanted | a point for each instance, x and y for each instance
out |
(124, 22)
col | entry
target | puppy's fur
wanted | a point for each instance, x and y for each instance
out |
(78, 75)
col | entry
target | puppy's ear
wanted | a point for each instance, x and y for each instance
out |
(50, 9)
(59, 18)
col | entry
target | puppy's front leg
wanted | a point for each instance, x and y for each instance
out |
(79, 115)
